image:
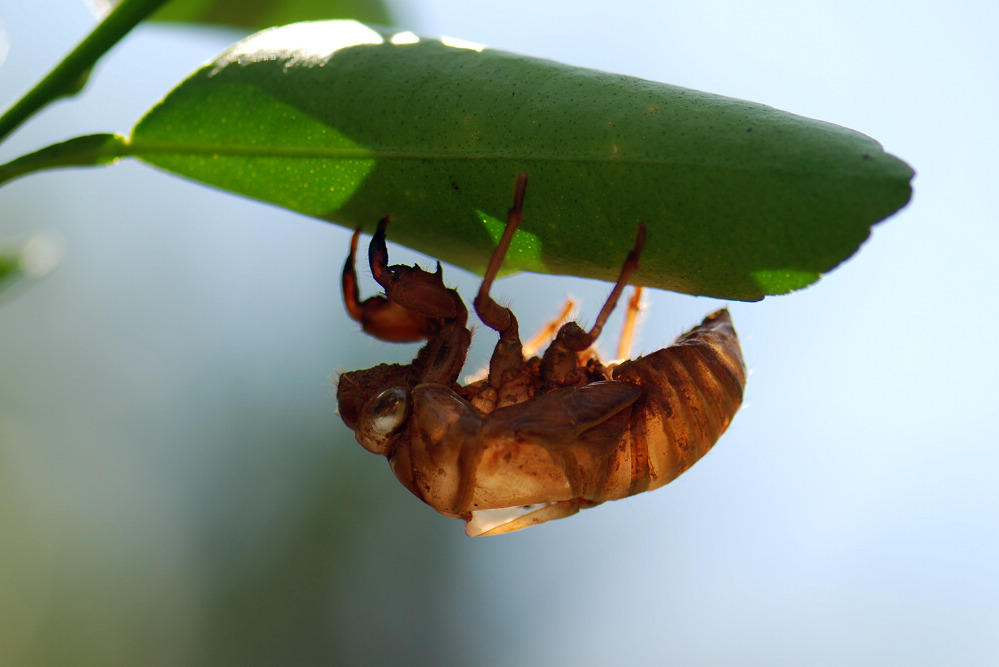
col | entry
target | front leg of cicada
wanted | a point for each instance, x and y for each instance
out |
(410, 286)
(561, 363)
(424, 293)
(416, 305)
(379, 316)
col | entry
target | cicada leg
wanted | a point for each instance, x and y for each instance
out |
(561, 360)
(629, 267)
(411, 287)
(508, 354)
(416, 305)
(630, 322)
(548, 331)
(498, 522)
(379, 316)
(535, 342)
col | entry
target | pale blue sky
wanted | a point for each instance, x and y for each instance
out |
(848, 517)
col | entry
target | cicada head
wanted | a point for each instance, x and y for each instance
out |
(357, 389)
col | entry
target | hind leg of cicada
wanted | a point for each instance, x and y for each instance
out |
(574, 338)
(379, 316)
(508, 354)
(630, 322)
(484, 523)
(566, 361)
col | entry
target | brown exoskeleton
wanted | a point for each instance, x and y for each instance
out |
(537, 439)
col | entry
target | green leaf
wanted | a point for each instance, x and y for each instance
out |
(348, 123)
(257, 14)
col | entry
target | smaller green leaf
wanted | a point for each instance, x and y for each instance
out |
(87, 151)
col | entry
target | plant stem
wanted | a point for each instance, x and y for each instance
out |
(69, 76)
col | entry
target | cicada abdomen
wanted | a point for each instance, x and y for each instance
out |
(691, 390)
(574, 448)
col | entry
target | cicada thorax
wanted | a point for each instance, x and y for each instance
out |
(691, 390)
(516, 386)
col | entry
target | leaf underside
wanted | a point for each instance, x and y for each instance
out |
(349, 123)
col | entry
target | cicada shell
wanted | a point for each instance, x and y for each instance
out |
(540, 438)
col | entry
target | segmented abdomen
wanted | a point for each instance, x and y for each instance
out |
(691, 390)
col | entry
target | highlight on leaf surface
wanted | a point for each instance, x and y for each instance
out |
(256, 14)
(350, 123)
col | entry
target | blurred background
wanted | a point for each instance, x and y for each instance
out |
(176, 487)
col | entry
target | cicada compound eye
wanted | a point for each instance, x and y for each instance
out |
(382, 415)
(388, 410)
